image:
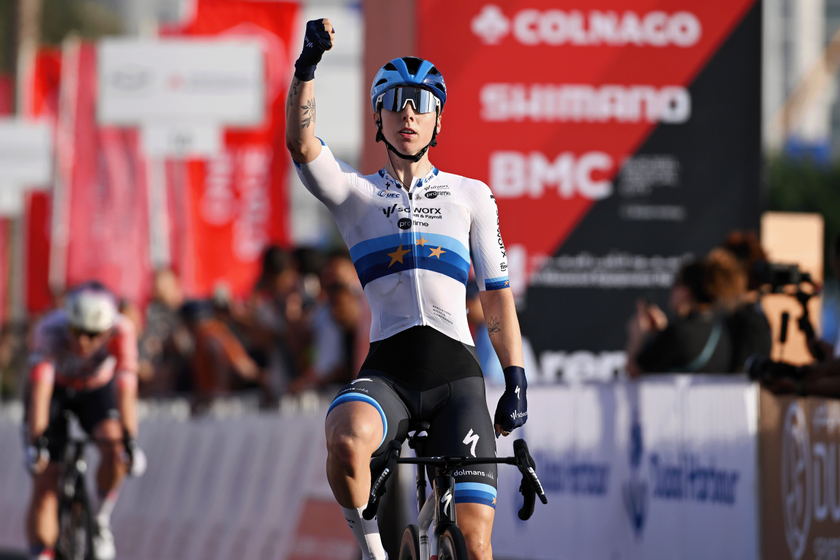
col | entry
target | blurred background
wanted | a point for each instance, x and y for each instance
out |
(142, 145)
(627, 146)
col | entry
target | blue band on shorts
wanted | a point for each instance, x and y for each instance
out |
(350, 397)
(475, 493)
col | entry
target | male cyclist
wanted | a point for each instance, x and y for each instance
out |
(83, 359)
(413, 232)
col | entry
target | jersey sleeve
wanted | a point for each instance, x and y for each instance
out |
(326, 177)
(42, 345)
(123, 346)
(486, 245)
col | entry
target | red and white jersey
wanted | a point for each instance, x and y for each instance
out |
(52, 356)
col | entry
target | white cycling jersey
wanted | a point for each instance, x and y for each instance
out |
(412, 250)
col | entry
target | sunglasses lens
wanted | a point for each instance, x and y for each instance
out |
(422, 100)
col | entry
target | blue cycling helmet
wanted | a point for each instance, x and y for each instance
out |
(408, 71)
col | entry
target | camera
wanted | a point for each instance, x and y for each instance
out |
(778, 275)
(763, 369)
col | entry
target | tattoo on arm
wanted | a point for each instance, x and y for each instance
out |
(293, 91)
(308, 114)
(494, 326)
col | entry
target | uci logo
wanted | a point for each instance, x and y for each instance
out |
(404, 223)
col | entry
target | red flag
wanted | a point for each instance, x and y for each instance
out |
(102, 227)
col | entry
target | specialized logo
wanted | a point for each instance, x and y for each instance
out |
(446, 503)
(471, 440)
(518, 388)
(557, 27)
(797, 483)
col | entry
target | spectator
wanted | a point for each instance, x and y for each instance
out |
(695, 341)
(747, 325)
(164, 342)
(340, 325)
(277, 325)
(219, 363)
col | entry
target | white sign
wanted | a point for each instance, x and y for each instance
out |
(665, 467)
(182, 140)
(166, 81)
(25, 152)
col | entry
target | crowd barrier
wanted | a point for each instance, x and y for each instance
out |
(668, 467)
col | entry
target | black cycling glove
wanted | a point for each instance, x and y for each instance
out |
(512, 410)
(315, 42)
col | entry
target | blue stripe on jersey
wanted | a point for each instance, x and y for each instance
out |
(497, 283)
(351, 397)
(380, 257)
(475, 493)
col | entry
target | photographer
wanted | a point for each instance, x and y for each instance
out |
(821, 378)
(740, 297)
(696, 341)
(823, 350)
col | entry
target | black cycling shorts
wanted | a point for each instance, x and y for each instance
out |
(89, 407)
(421, 374)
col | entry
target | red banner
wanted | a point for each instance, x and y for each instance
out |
(237, 202)
(103, 225)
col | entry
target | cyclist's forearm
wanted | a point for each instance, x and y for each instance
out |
(503, 326)
(39, 407)
(300, 121)
(127, 406)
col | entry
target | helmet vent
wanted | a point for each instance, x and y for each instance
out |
(412, 64)
(382, 81)
(391, 67)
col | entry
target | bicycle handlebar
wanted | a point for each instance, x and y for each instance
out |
(530, 487)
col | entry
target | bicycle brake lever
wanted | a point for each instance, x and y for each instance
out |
(377, 487)
(530, 486)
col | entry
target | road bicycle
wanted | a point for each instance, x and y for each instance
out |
(448, 541)
(76, 522)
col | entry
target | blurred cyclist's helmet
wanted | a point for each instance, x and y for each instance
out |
(408, 71)
(91, 308)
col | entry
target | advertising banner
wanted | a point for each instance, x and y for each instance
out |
(234, 204)
(664, 468)
(143, 81)
(800, 477)
(618, 138)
